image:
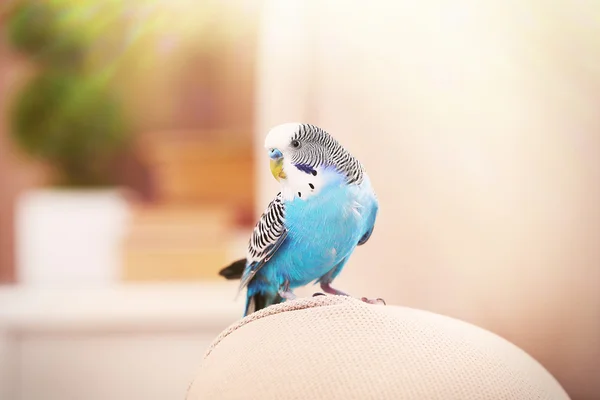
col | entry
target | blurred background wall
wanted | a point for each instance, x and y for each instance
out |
(477, 121)
(479, 124)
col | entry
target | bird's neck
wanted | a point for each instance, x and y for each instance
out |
(347, 165)
(303, 184)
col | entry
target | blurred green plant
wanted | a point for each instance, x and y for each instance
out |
(67, 115)
(36, 29)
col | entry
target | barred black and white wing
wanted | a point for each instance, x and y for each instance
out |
(268, 235)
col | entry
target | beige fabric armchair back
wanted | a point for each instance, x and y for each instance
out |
(335, 347)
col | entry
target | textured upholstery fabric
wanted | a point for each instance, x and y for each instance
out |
(335, 347)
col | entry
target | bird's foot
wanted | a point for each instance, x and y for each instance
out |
(328, 289)
(373, 301)
(364, 299)
(286, 293)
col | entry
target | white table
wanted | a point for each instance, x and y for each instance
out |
(124, 342)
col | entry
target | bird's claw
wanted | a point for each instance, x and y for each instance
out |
(364, 299)
(285, 291)
(373, 301)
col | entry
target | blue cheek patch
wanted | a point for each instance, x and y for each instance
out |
(306, 169)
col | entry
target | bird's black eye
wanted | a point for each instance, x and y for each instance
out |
(295, 144)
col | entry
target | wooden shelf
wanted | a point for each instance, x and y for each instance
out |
(177, 244)
(210, 171)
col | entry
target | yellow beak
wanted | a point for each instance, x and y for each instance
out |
(277, 169)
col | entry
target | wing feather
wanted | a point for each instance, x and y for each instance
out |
(367, 235)
(268, 235)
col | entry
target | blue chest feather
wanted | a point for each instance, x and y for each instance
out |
(323, 230)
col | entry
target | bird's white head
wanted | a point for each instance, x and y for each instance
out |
(299, 151)
(280, 136)
(280, 144)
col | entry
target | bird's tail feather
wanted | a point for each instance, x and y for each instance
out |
(255, 301)
(258, 301)
(234, 270)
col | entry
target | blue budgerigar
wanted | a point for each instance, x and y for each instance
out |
(325, 209)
